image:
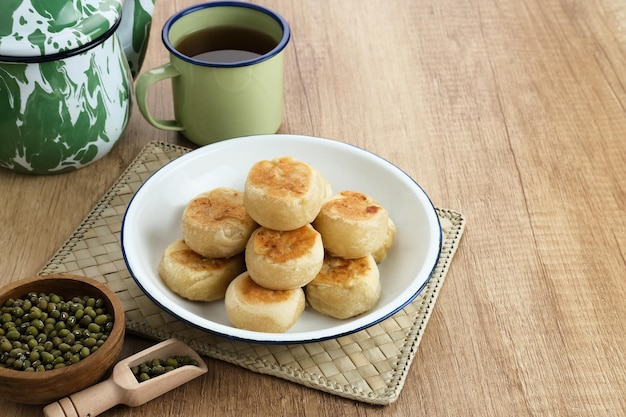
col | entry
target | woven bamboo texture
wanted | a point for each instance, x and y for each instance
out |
(368, 366)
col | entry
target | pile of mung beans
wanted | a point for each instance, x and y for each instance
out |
(157, 367)
(42, 331)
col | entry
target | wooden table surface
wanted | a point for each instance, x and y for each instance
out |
(510, 112)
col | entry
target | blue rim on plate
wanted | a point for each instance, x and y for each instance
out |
(153, 217)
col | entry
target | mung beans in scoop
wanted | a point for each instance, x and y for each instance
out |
(157, 367)
(43, 331)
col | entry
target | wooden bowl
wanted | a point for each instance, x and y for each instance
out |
(48, 386)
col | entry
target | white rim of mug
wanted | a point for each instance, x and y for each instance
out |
(277, 49)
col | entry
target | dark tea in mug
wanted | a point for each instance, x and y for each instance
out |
(234, 86)
(226, 44)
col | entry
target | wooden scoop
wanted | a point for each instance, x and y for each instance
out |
(122, 386)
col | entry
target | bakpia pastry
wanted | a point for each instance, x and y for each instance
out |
(215, 224)
(252, 307)
(380, 254)
(284, 260)
(345, 288)
(284, 193)
(352, 224)
(196, 277)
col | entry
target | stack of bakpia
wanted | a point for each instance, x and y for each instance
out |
(284, 241)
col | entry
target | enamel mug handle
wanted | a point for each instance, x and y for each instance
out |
(147, 80)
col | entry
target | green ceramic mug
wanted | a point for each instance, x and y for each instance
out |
(226, 69)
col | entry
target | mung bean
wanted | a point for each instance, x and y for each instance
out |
(43, 331)
(157, 367)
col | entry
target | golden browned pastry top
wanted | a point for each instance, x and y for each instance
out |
(280, 246)
(192, 260)
(342, 272)
(281, 177)
(352, 205)
(253, 293)
(216, 207)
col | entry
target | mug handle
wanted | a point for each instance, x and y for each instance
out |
(147, 80)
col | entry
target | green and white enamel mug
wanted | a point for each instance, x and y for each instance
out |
(65, 79)
(226, 69)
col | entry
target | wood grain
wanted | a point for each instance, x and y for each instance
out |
(510, 112)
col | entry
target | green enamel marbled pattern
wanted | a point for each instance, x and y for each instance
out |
(44, 27)
(61, 115)
(6, 19)
(135, 34)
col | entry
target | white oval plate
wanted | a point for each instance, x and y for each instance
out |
(153, 220)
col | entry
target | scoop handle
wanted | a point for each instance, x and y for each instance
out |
(89, 402)
(123, 388)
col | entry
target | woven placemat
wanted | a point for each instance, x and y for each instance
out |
(369, 366)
